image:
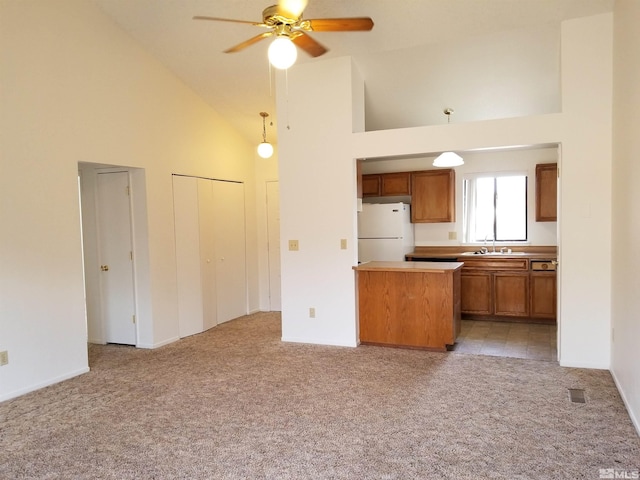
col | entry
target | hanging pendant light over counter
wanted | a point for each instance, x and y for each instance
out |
(448, 159)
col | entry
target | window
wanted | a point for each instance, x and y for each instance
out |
(495, 207)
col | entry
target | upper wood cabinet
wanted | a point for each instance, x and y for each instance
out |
(359, 178)
(371, 185)
(396, 183)
(547, 192)
(386, 184)
(433, 196)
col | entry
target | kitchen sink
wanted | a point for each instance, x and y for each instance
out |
(493, 253)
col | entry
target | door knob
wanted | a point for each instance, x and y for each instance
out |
(104, 268)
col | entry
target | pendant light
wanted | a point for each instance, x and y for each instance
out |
(448, 159)
(265, 149)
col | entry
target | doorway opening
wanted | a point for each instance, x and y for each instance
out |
(115, 254)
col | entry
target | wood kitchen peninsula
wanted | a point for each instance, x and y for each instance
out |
(409, 304)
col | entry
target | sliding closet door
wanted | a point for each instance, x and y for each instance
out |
(187, 234)
(210, 252)
(207, 252)
(229, 233)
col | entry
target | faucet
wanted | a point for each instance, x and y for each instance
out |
(503, 249)
(484, 249)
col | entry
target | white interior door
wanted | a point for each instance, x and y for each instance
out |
(187, 232)
(229, 233)
(116, 258)
(273, 239)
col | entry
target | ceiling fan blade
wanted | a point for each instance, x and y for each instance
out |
(216, 19)
(309, 45)
(295, 7)
(248, 43)
(340, 24)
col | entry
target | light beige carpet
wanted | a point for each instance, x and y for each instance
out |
(237, 403)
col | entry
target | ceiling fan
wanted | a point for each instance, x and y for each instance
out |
(284, 21)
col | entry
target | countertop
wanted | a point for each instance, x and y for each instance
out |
(409, 267)
(462, 257)
(548, 252)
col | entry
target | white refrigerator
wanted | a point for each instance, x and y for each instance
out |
(385, 232)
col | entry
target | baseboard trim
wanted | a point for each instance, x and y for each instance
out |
(47, 383)
(634, 419)
(592, 366)
(157, 345)
(315, 341)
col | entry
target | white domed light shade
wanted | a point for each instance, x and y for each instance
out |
(265, 150)
(282, 53)
(448, 159)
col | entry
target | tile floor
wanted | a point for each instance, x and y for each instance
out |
(503, 339)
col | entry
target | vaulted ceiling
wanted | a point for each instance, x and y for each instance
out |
(240, 85)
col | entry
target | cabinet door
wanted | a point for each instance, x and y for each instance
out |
(476, 293)
(511, 291)
(396, 183)
(371, 185)
(433, 196)
(543, 295)
(547, 192)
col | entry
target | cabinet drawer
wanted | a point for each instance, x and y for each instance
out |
(494, 264)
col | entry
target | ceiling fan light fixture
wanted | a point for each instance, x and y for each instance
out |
(282, 52)
(448, 159)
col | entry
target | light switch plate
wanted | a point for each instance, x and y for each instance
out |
(343, 243)
(4, 358)
(453, 235)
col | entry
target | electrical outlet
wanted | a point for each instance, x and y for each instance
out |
(293, 245)
(312, 312)
(343, 243)
(4, 358)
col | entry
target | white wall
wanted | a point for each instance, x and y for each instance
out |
(318, 199)
(517, 160)
(583, 128)
(625, 364)
(585, 193)
(519, 77)
(75, 88)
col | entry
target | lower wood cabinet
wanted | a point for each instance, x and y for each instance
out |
(406, 304)
(543, 294)
(493, 289)
(511, 294)
(477, 294)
